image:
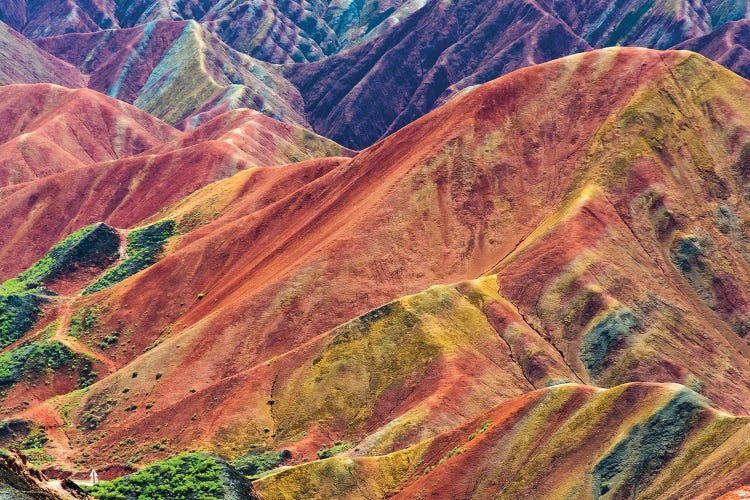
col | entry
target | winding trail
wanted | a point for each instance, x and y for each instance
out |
(61, 335)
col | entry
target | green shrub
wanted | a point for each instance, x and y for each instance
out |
(334, 450)
(255, 463)
(144, 246)
(34, 359)
(18, 313)
(83, 322)
(21, 297)
(186, 476)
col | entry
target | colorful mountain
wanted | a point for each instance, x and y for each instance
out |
(307, 302)
(37, 66)
(527, 286)
(448, 46)
(272, 31)
(635, 440)
(177, 71)
(728, 45)
(134, 188)
(49, 129)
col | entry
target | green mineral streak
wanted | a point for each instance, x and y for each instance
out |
(647, 448)
(602, 338)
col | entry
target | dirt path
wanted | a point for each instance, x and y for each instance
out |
(61, 335)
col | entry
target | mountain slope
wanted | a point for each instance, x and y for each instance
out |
(22, 62)
(647, 440)
(177, 69)
(446, 47)
(272, 31)
(728, 45)
(129, 190)
(49, 129)
(597, 237)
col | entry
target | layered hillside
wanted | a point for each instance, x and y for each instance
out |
(729, 46)
(635, 440)
(134, 188)
(176, 70)
(185, 62)
(448, 46)
(310, 302)
(23, 62)
(49, 129)
(272, 31)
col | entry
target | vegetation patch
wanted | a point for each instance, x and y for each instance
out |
(83, 322)
(26, 436)
(187, 476)
(144, 246)
(92, 246)
(40, 358)
(602, 338)
(21, 297)
(18, 313)
(485, 425)
(256, 463)
(337, 448)
(96, 410)
(455, 451)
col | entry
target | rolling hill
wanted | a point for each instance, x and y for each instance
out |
(38, 66)
(49, 129)
(177, 71)
(456, 279)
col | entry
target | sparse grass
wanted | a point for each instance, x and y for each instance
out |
(83, 322)
(485, 425)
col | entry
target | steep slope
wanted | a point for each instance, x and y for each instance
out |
(272, 31)
(37, 66)
(128, 191)
(445, 47)
(177, 69)
(48, 129)
(19, 482)
(636, 440)
(728, 45)
(597, 234)
(415, 66)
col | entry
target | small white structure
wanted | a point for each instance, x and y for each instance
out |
(94, 477)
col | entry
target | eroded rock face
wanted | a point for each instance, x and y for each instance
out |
(19, 481)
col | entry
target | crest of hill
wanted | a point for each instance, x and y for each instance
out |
(542, 211)
(445, 47)
(23, 62)
(48, 129)
(300, 30)
(232, 142)
(177, 69)
(728, 45)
